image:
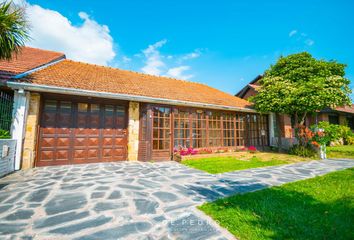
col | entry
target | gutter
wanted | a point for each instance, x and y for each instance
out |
(118, 96)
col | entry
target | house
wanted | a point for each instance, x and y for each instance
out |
(68, 112)
(340, 115)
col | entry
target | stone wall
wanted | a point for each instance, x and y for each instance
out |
(7, 163)
(29, 145)
(133, 131)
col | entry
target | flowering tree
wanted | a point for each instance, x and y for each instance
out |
(299, 85)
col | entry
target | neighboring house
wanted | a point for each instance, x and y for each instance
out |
(74, 112)
(339, 115)
(28, 60)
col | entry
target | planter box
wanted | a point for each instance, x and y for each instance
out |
(209, 155)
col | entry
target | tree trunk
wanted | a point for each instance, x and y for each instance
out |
(303, 118)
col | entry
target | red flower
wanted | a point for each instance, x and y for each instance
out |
(314, 143)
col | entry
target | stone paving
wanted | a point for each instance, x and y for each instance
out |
(130, 200)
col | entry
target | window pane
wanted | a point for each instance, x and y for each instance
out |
(155, 133)
(66, 106)
(82, 107)
(50, 105)
(95, 108)
(155, 144)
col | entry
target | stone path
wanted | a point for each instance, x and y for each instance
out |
(130, 200)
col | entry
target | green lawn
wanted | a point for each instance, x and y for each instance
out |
(242, 160)
(346, 151)
(317, 208)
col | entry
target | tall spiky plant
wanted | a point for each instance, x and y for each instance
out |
(13, 29)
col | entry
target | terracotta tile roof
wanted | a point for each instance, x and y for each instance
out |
(71, 74)
(29, 58)
(346, 109)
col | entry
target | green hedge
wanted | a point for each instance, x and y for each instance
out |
(4, 134)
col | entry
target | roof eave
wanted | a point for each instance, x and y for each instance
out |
(118, 96)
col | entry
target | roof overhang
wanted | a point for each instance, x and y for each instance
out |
(118, 96)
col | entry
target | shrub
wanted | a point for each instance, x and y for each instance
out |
(331, 130)
(345, 132)
(311, 137)
(335, 132)
(350, 140)
(4, 134)
(303, 151)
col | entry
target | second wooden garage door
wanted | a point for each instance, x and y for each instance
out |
(81, 132)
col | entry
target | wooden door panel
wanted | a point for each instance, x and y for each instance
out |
(47, 155)
(62, 155)
(93, 153)
(120, 140)
(48, 142)
(63, 142)
(93, 141)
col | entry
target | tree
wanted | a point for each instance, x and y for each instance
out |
(13, 29)
(300, 85)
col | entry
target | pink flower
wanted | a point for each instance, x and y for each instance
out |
(252, 149)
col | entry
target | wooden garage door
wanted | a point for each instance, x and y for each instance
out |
(81, 132)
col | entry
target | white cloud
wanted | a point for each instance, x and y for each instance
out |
(165, 65)
(88, 42)
(195, 54)
(126, 59)
(178, 72)
(154, 64)
(302, 37)
(292, 33)
(309, 42)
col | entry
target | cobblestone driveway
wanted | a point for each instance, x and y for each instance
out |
(130, 200)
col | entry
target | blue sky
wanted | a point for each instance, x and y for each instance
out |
(224, 44)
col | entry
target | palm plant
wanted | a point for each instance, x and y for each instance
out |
(13, 29)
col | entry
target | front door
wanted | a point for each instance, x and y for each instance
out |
(161, 133)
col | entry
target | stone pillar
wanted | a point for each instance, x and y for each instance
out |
(19, 114)
(271, 119)
(29, 145)
(133, 131)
